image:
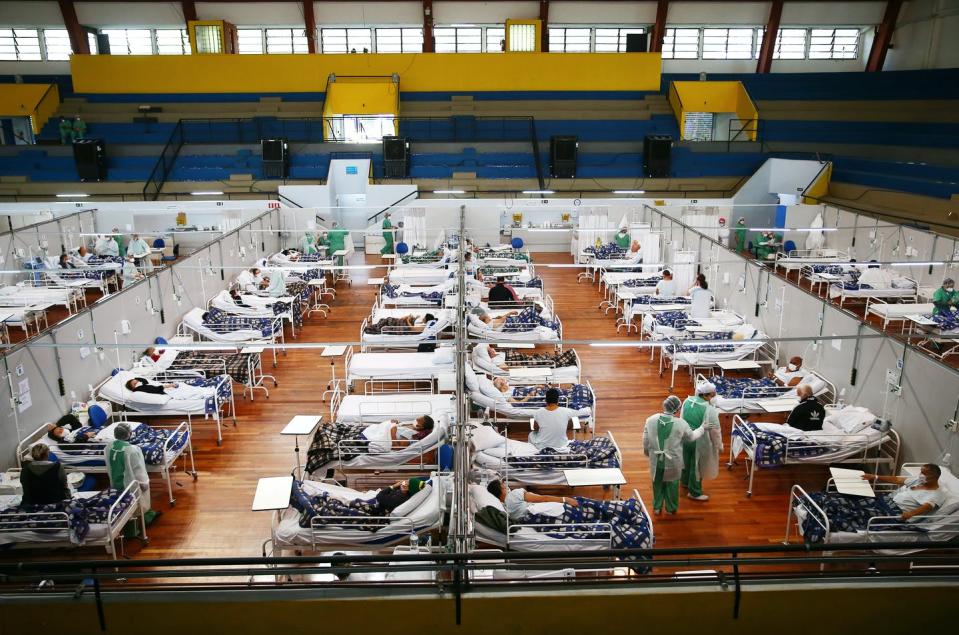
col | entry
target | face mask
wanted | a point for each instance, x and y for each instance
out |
(713, 401)
(921, 480)
(792, 368)
(405, 433)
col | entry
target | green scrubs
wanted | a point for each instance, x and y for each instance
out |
(119, 240)
(66, 131)
(763, 251)
(694, 411)
(943, 300)
(79, 129)
(387, 237)
(622, 241)
(739, 238)
(664, 492)
(337, 238)
(308, 244)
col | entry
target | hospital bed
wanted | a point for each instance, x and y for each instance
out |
(26, 316)
(160, 454)
(678, 324)
(752, 395)
(24, 295)
(403, 336)
(508, 255)
(618, 286)
(50, 527)
(233, 329)
(433, 296)
(429, 259)
(437, 366)
(244, 367)
(558, 369)
(516, 331)
(825, 274)
(713, 347)
(289, 308)
(641, 305)
(898, 287)
(422, 276)
(497, 309)
(421, 514)
(940, 334)
(344, 448)
(841, 523)
(590, 536)
(578, 397)
(100, 277)
(798, 259)
(212, 399)
(847, 437)
(897, 312)
(386, 404)
(514, 271)
(520, 462)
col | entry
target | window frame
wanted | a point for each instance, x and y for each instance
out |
(745, 54)
(327, 30)
(416, 46)
(15, 55)
(458, 41)
(672, 53)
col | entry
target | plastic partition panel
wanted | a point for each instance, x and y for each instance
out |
(929, 401)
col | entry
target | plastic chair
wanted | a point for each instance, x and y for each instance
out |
(160, 340)
(402, 248)
(517, 243)
(98, 416)
(789, 246)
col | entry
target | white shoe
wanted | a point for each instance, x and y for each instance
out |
(701, 497)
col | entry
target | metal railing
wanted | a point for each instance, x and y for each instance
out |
(165, 162)
(739, 130)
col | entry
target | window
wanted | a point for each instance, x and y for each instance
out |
(172, 42)
(563, 40)
(522, 38)
(93, 43)
(130, 41)
(495, 39)
(790, 44)
(280, 41)
(681, 44)
(57, 44)
(458, 39)
(399, 40)
(249, 41)
(727, 44)
(346, 40)
(20, 44)
(613, 40)
(833, 44)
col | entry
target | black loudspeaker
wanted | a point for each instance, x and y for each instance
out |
(657, 151)
(396, 157)
(90, 156)
(636, 43)
(562, 156)
(276, 158)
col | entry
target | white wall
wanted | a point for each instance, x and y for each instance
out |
(925, 36)
(251, 13)
(483, 12)
(369, 13)
(121, 14)
(618, 13)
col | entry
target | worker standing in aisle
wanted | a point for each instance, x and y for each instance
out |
(387, 235)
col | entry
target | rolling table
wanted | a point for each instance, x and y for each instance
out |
(298, 426)
(777, 405)
(743, 364)
(272, 493)
(587, 477)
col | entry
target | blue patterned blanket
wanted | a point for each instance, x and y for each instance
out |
(773, 449)
(502, 253)
(150, 440)
(532, 283)
(945, 321)
(851, 286)
(355, 513)
(850, 514)
(735, 388)
(708, 348)
(434, 297)
(227, 322)
(527, 320)
(605, 252)
(599, 452)
(674, 319)
(576, 396)
(80, 514)
(656, 299)
(651, 281)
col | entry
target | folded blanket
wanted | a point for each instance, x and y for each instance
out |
(849, 514)
(575, 397)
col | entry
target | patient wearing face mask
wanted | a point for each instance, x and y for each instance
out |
(792, 373)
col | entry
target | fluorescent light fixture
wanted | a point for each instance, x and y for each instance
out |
(77, 195)
(913, 264)
(629, 191)
(449, 191)
(615, 345)
(538, 192)
(792, 229)
(206, 193)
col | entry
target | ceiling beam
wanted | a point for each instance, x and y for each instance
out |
(880, 44)
(189, 11)
(658, 33)
(309, 24)
(544, 26)
(765, 62)
(427, 26)
(78, 37)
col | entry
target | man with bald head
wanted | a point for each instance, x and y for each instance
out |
(809, 414)
(792, 373)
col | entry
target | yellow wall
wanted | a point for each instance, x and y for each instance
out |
(419, 72)
(819, 187)
(368, 97)
(712, 97)
(37, 101)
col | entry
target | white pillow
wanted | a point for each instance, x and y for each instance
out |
(412, 502)
(470, 378)
(852, 419)
(744, 332)
(816, 383)
(482, 498)
(443, 356)
(486, 437)
(487, 387)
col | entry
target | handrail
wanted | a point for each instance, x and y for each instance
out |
(161, 163)
(375, 216)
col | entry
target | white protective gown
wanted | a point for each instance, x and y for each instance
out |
(672, 452)
(134, 469)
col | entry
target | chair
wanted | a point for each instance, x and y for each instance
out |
(167, 255)
(789, 246)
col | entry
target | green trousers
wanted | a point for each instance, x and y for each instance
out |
(688, 478)
(665, 492)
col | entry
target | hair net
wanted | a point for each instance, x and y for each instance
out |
(705, 388)
(948, 281)
(122, 431)
(671, 404)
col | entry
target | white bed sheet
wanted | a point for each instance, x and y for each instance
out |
(192, 400)
(373, 408)
(194, 320)
(397, 366)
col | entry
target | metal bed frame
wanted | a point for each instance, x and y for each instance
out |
(217, 366)
(164, 469)
(766, 353)
(886, 451)
(827, 396)
(499, 418)
(70, 298)
(377, 386)
(276, 328)
(875, 294)
(798, 259)
(115, 524)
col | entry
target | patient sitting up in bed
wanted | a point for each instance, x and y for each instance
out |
(550, 424)
(917, 495)
(65, 430)
(382, 435)
(809, 414)
(791, 374)
(487, 358)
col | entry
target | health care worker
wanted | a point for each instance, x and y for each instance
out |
(701, 457)
(663, 439)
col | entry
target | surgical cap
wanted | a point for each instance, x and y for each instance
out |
(671, 404)
(122, 431)
(948, 281)
(705, 388)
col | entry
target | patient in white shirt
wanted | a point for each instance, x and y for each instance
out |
(550, 424)
(667, 286)
(792, 373)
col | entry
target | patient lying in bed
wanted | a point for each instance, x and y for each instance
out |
(382, 436)
(406, 325)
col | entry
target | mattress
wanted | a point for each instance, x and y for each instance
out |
(418, 275)
(426, 516)
(528, 539)
(503, 409)
(194, 320)
(408, 338)
(397, 366)
(104, 436)
(224, 302)
(886, 292)
(115, 391)
(537, 334)
(893, 311)
(841, 448)
(98, 532)
(396, 458)
(697, 358)
(373, 408)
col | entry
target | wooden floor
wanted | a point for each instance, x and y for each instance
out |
(212, 516)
